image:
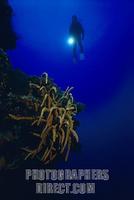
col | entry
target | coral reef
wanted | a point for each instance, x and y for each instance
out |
(38, 121)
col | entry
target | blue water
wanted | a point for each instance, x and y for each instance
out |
(104, 81)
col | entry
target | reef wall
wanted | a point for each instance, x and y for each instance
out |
(38, 119)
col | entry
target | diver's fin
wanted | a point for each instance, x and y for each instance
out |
(74, 60)
(82, 56)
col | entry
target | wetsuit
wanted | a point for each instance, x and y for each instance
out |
(77, 32)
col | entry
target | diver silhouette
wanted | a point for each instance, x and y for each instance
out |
(76, 31)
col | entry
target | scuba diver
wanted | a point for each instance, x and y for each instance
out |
(76, 32)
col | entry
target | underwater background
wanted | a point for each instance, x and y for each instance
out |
(104, 82)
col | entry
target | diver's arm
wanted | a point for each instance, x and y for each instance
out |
(70, 30)
(82, 33)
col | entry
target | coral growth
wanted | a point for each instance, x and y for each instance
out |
(53, 117)
(38, 119)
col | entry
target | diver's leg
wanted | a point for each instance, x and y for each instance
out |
(80, 45)
(82, 57)
(75, 52)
